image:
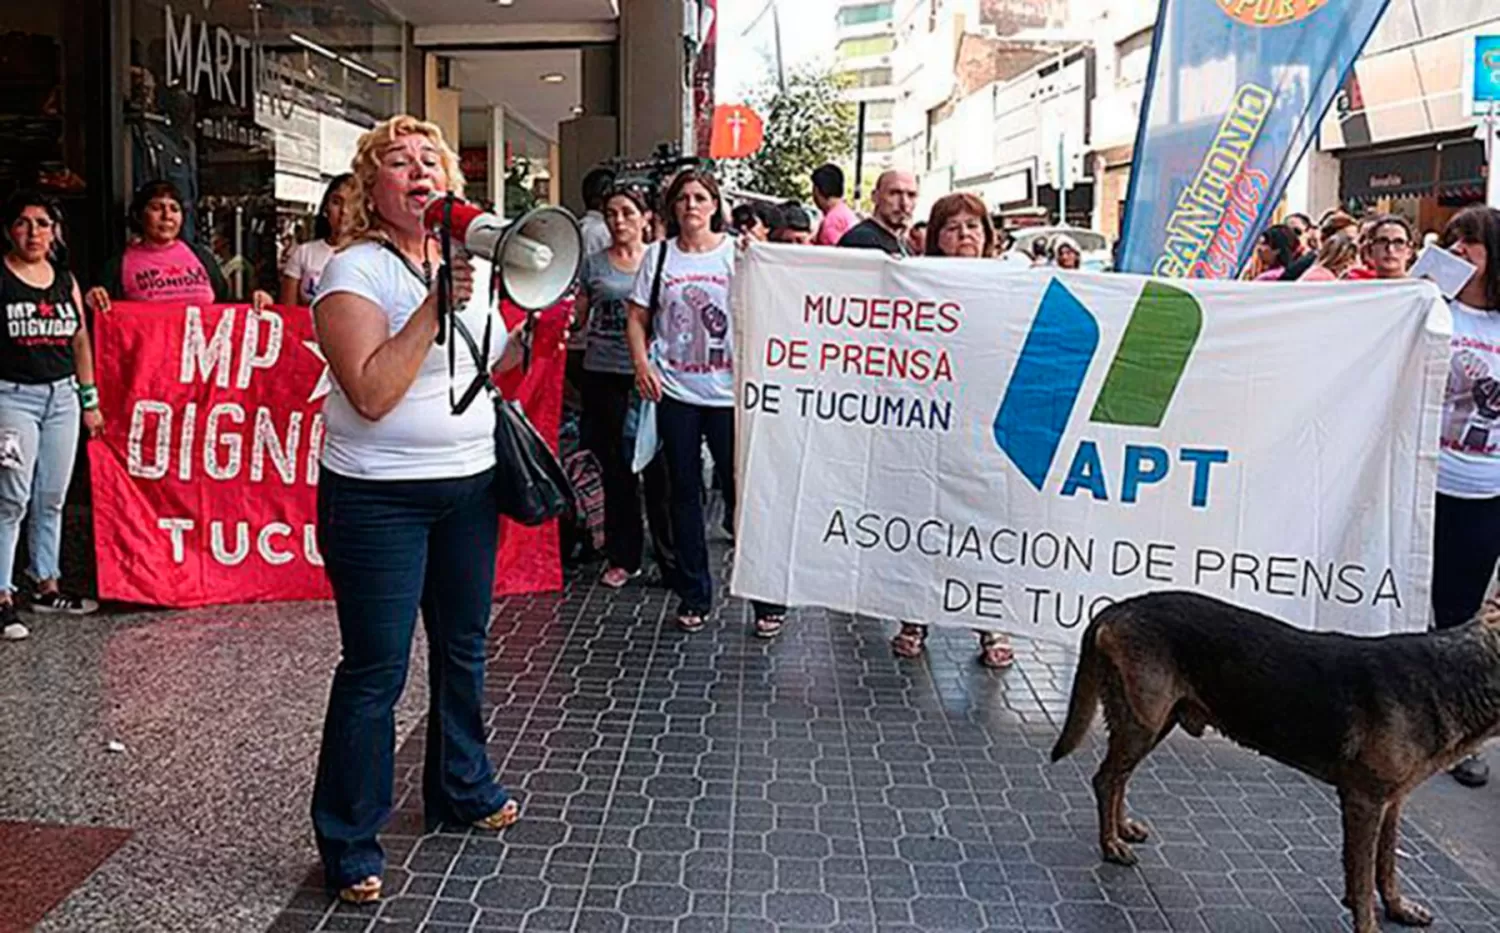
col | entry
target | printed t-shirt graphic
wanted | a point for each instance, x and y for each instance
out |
(694, 344)
(1469, 457)
(172, 272)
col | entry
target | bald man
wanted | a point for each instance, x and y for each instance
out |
(895, 201)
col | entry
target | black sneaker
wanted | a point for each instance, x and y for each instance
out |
(1473, 771)
(11, 628)
(58, 604)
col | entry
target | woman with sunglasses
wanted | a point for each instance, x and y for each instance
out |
(607, 385)
(46, 380)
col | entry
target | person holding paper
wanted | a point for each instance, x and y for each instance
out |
(1466, 537)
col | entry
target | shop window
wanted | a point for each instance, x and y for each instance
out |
(866, 14)
(45, 72)
(250, 108)
(870, 45)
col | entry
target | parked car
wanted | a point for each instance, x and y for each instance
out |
(1094, 247)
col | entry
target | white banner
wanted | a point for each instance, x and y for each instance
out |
(947, 441)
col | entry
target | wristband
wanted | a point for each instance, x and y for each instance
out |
(88, 396)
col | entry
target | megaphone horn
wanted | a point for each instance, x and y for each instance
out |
(539, 258)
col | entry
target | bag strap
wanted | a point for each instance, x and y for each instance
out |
(480, 356)
(661, 263)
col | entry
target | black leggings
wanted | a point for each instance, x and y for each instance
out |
(606, 401)
(1465, 547)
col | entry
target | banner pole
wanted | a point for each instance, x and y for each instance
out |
(1492, 157)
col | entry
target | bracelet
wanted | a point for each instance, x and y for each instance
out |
(89, 397)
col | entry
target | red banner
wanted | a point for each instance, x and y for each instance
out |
(205, 483)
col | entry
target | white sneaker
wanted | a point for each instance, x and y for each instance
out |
(15, 631)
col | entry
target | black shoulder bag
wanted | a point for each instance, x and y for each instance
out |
(530, 484)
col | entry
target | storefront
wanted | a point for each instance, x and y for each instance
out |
(1426, 182)
(247, 107)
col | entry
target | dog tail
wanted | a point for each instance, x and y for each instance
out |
(1085, 698)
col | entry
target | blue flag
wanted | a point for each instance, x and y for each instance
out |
(1235, 93)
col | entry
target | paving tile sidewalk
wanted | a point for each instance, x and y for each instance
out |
(692, 784)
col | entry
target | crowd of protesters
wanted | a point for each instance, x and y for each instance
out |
(654, 325)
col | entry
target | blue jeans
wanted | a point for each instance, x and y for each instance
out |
(683, 429)
(390, 548)
(38, 442)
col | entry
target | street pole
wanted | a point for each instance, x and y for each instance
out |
(859, 154)
(1062, 179)
(1492, 155)
(776, 28)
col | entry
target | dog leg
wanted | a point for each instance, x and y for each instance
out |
(1397, 908)
(1362, 819)
(1129, 742)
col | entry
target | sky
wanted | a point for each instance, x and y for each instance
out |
(807, 35)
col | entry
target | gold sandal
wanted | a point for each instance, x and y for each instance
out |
(365, 892)
(501, 818)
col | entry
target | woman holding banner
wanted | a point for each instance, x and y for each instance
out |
(158, 265)
(407, 511)
(681, 297)
(960, 227)
(46, 379)
(1466, 535)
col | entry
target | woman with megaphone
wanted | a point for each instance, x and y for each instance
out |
(681, 296)
(407, 507)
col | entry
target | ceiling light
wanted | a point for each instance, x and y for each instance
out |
(353, 65)
(385, 79)
(309, 44)
(553, 77)
(505, 2)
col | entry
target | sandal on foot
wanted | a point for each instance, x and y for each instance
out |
(910, 642)
(364, 892)
(690, 622)
(995, 651)
(769, 626)
(616, 577)
(501, 818)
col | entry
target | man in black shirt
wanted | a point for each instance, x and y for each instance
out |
(895, 201)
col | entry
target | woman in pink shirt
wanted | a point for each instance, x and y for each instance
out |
(159, 265)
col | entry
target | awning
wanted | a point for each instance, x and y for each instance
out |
(1462, 171)
(1450, 170)
(1388, 174)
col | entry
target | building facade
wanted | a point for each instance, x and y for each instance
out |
(250, 107)
(865, 39)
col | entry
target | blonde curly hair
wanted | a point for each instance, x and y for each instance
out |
(361, 222)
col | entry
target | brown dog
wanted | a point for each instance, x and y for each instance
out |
(1374, 717)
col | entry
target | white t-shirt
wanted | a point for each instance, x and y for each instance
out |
(305, 263)
(420, 438)
(693, 342)
(1469, 461)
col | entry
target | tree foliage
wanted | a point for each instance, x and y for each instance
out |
(806, 125)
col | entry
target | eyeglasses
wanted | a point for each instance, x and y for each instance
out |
(1391, 243)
